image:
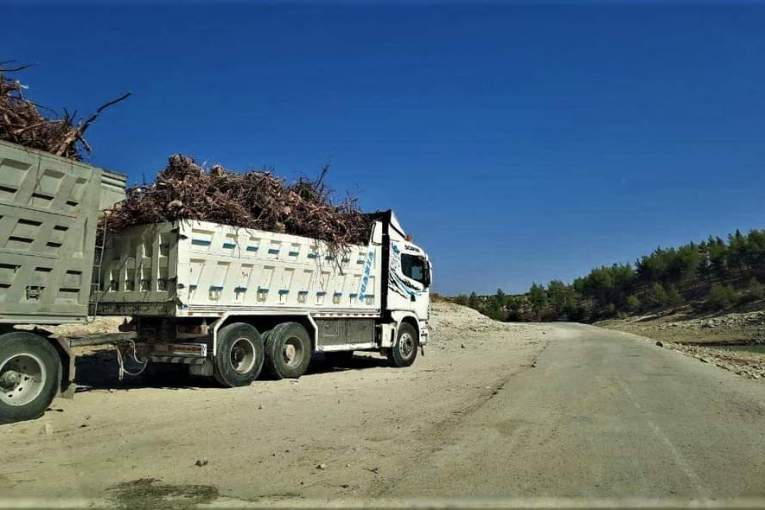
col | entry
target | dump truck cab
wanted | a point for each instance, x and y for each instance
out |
(407, 271)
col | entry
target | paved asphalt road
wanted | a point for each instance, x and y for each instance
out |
(605, 414)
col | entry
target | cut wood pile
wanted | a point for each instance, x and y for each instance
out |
(255, 199)
(184, 190)
(22, 122)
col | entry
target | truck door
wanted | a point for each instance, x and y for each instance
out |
(409, 279)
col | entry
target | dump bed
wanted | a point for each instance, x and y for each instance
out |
(49, 209)
(193, 268)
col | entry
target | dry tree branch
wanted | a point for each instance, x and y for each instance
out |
(12, 69)
(77, 133)
(23, 122)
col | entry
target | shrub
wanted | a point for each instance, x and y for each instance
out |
(754, 292)
(756, 289)
(673, 296)
(656, 297)
(720, 296)
(633, 303)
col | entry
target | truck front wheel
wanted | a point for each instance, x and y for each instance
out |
(30, 371)
(288, 350)
(239, 357)
(404, 352)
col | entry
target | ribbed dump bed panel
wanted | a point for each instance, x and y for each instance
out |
(49, 209)
(200, 268)
(139, 271)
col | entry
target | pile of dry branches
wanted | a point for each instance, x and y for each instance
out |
(184, 190)
(21, 121)
(256, 199)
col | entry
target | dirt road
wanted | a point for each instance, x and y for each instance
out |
(606, 414)
(491, 410)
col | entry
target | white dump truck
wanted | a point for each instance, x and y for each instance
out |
(219, 300)
(227, 300)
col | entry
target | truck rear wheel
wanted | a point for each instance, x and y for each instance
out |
(404, 352)
(288, 350)
(30, 371)
(240, 355)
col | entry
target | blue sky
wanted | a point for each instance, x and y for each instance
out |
(517, 142)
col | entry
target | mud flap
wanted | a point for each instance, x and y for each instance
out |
(67, 387)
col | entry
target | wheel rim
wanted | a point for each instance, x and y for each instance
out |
(292, 352)
(22, 378)
(242, 355)
(406, 345)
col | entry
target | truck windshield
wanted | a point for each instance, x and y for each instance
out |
(414, 267)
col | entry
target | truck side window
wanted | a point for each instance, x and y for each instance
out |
(414, 267)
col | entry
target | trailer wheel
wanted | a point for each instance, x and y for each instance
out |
(30, 371)
(239, 357)
(288, 350)
(404, 352)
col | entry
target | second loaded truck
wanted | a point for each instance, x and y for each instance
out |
(227, 301)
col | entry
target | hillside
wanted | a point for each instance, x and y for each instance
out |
(709, 277)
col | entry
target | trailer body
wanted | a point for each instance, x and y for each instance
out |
(49, 209)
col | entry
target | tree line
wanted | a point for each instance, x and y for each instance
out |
(712, 275)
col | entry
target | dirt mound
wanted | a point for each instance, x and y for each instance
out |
(255, 199)
(457, 327)
(448, 317)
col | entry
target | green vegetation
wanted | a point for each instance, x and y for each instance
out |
(709, 276)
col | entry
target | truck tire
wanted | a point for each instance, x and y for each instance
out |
(288, 350)
(30, 372)
(240, 355)
(404, 352)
